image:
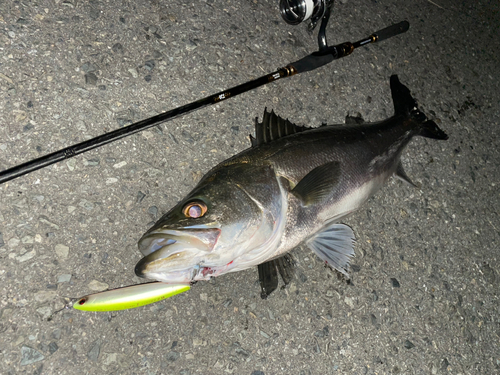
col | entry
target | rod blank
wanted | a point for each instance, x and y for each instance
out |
(308, 63)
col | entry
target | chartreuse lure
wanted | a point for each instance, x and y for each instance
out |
(129, 297)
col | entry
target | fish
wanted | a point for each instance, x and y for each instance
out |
(129, 297)
(292, 187)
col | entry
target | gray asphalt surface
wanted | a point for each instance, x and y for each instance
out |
(423, 296)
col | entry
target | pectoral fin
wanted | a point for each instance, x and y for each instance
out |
(334, 244)
(318, 184)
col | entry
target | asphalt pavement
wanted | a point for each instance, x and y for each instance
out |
(423, 297)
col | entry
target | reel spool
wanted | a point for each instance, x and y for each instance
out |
(297, 11)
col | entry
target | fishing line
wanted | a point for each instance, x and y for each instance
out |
(68, 304)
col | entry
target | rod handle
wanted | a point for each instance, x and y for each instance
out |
(312, 62)
(391, 31)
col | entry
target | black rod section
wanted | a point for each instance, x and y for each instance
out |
(120, 133)
(308, 63)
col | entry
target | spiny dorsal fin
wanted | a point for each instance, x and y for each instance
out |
(272, 128)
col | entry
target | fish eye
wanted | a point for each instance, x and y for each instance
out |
(194, 209)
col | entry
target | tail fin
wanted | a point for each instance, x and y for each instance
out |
(429, 129)
(405, 105)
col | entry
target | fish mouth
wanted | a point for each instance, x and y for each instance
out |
(171, 255)
(203, 239)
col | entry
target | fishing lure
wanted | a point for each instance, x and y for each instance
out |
(129, 297)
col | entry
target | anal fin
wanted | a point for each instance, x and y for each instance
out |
(334, 244)
(401, 174)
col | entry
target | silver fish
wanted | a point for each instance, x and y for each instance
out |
(290, 188)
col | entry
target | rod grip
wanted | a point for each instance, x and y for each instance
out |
(391, 31)
(312, 61)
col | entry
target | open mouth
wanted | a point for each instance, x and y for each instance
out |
(171, 255)
(203, 239)
(167, 257)
(151, 244)
(174, 264)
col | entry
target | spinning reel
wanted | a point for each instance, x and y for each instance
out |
(297, 11)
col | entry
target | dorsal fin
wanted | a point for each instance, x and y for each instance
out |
(354, 120)
(272, 128)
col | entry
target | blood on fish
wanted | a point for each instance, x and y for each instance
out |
(207, 271)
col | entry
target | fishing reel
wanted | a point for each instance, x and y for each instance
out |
(298, 11)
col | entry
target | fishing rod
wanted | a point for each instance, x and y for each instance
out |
(323, 56)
